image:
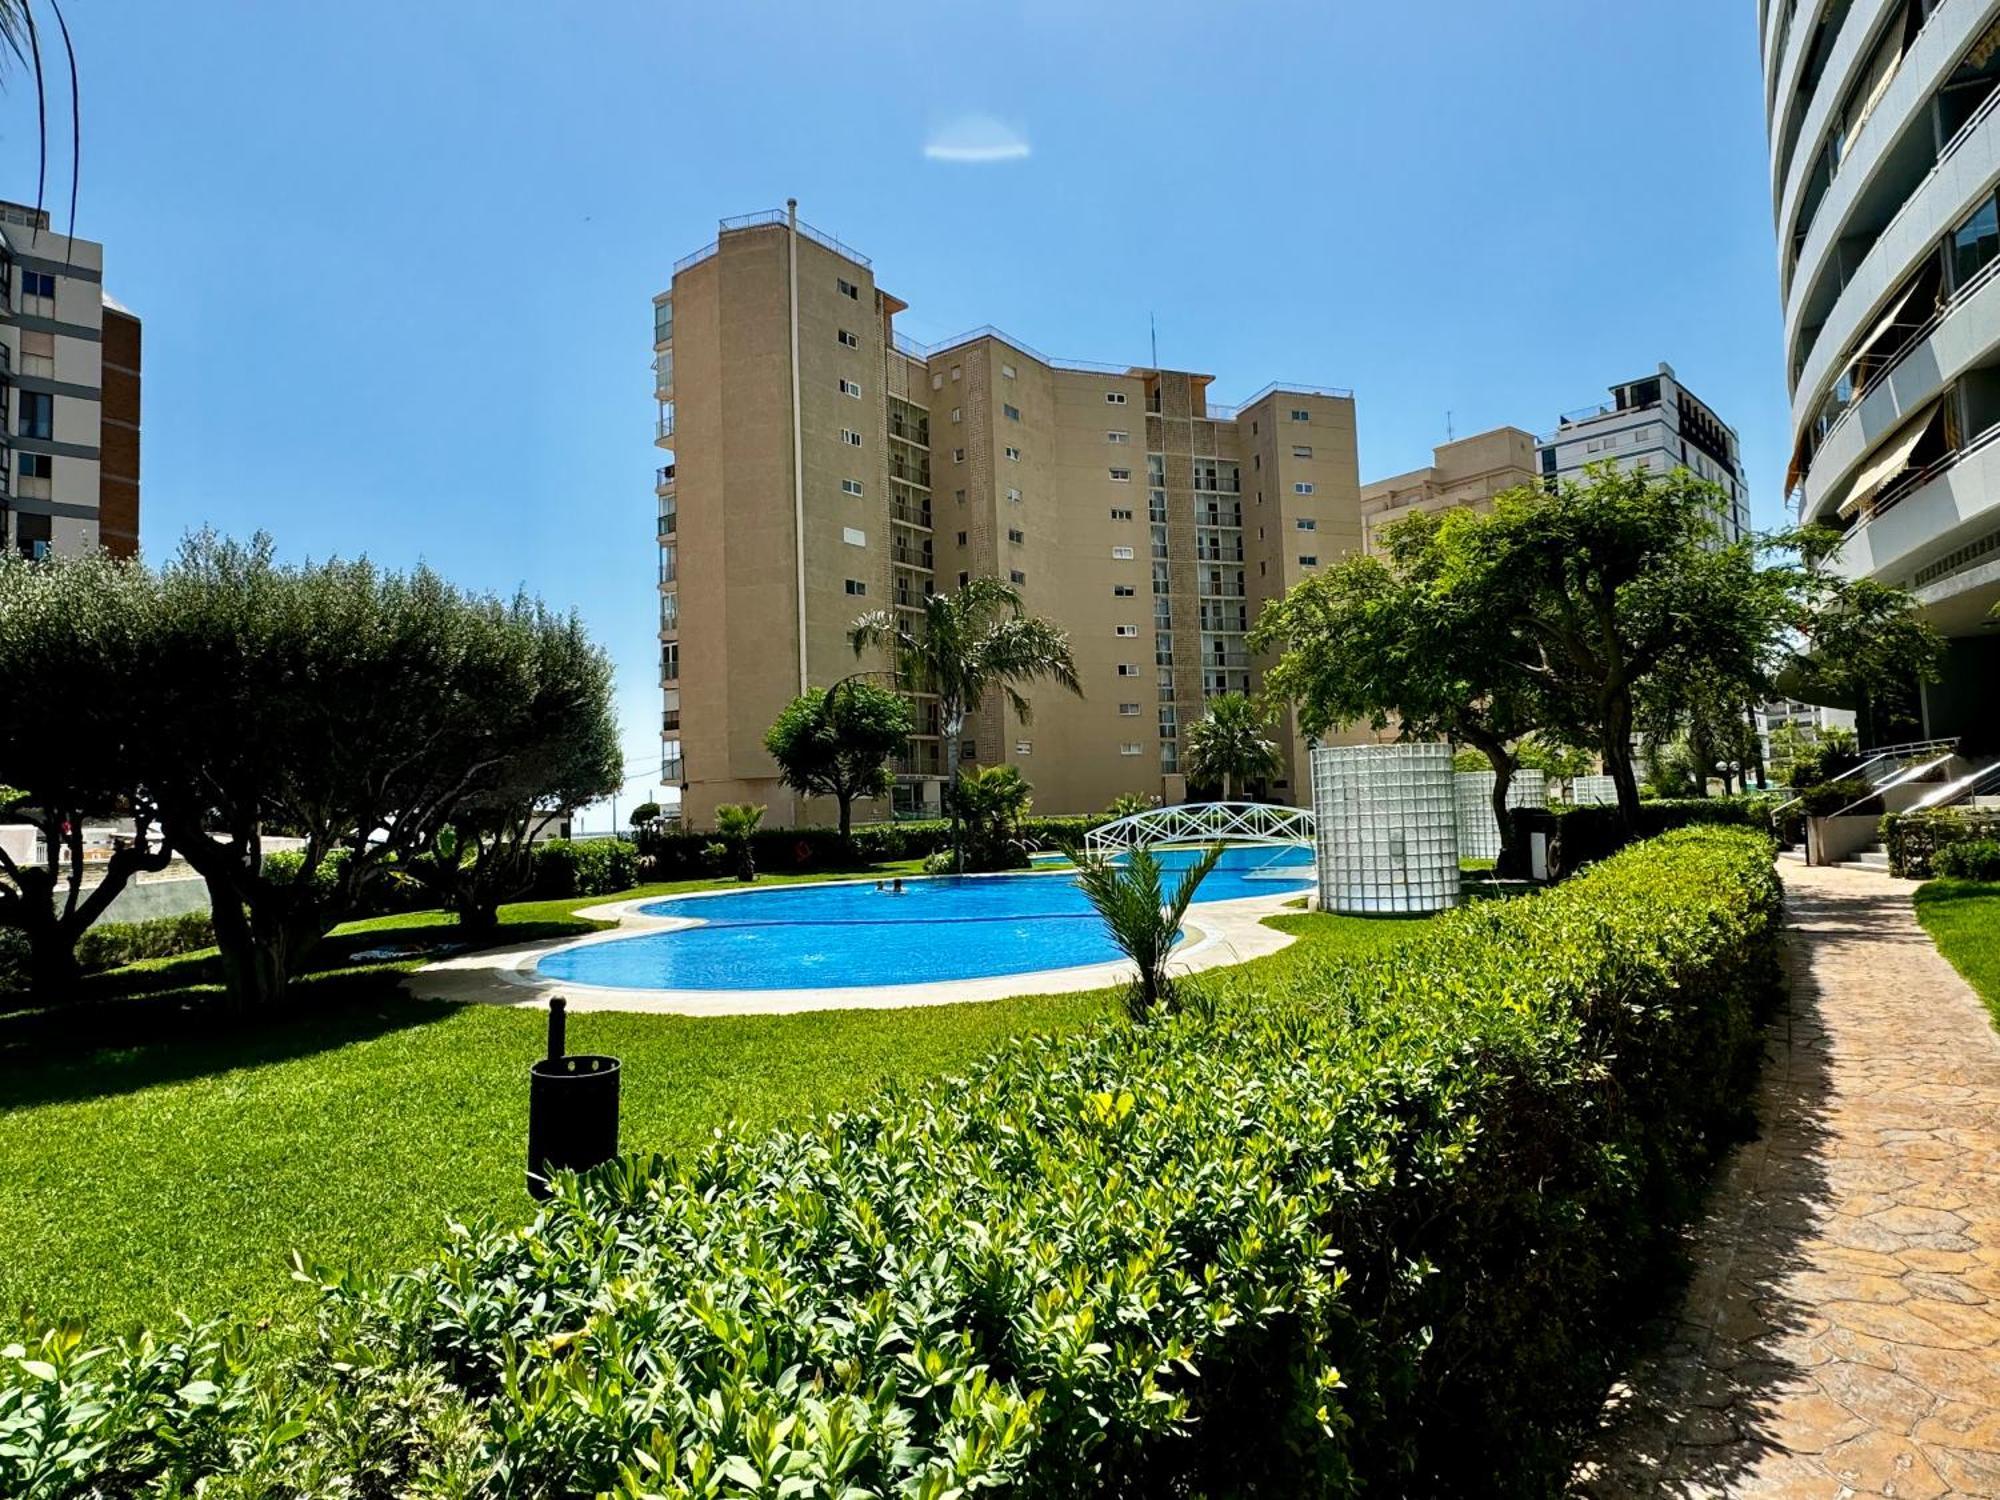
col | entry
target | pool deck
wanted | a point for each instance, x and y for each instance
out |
(1218, 933)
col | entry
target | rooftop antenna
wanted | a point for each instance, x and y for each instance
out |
(1448, 435)
(1153, 327)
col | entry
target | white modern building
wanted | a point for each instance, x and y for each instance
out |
(69, 395)
(1656, 423)
(1884, 121)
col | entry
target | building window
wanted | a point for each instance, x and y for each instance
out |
(1015, 536)
(937, 382)
(956, 372)
(1114, 398)
(856, 586)
(853, 537)
(1308, 560)
(1007, 372)
(961, 539)
(1127, 669)
(38, 414)
(1131, 630)
(1018, 576)
(957, 415)
(1121, 554)
(37, 284)
(1301, 451)
(1012, 413)
(1013, 495)
(850, 437)
(959, 496)
(37, 466)
(851, 340)
(1303, 487)
(1120, 513)
(1121, 476)
(1124, 591)
(1300, 414)
(850, 388)
(850, 486)
(964, 579)
(1304, 523)
(958, 455)
(847, 288)
(1128, 710)
(1117, 437)
(1129, 748)
(1013, 455)
(1024, 747)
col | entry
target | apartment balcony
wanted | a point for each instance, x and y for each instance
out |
(1925, 515)
(910, 515)
(917, 434)
(663, 429)
(663, 477)
(910, 468)
(663, 375)
(911, 557)
(667, 524)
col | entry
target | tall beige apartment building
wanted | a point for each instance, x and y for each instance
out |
(823, 465)
(1468, 471)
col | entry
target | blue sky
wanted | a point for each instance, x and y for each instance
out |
(395, 261)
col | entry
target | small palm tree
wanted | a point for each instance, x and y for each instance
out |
(736, 822)
(1228, 744)
(1143, 921)
(972, 642)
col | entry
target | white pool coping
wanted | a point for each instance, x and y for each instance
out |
(1217, 933)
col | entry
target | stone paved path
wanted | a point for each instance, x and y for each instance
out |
(1841, 1335)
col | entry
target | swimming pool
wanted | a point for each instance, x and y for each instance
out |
(842, 936)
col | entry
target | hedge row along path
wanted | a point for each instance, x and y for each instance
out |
(1841, 1334)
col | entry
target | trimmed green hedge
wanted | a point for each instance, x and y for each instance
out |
(1589, 833)
(674, 854)
(1914, 840)
(584, 867)
(1386, 1228)
(109, 944)
(1970, 859)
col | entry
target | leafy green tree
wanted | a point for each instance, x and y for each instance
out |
(1143, 920)
(1409, 638)
(70, 629)
(1856, 643)
(970, 643)
(558, 756)
(836, 742)
(359, 711)
(736, 823)
(1603, 585)
(994, 799)
(644, 813)
(1125, 804)
(1229, 744)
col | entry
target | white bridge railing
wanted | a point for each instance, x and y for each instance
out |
(1204, 823)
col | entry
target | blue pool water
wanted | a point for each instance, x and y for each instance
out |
(828, 936)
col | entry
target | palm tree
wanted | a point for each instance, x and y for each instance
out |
(736, 822)
(20, 35)
(969, 643)
(1142, 920)
(1228, 744)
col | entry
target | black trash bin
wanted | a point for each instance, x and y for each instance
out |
(572, 1108)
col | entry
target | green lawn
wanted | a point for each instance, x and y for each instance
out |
(178, 1167)
(1963, 919)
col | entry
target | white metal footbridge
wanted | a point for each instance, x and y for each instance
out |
(1203, 823)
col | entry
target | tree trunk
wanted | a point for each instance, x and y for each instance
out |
(53, 972)
(252, 978)
(1616, 748)
(954, 726)
(845, 800)
(1228, 788)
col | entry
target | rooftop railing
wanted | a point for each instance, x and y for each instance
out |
(766, 219)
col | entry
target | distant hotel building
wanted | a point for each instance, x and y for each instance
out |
(1467, 471)
(1884, 125)
(69, 395)
(1655, 423)
(823, 465)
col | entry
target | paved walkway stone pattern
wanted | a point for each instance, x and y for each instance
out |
(1841, 1334)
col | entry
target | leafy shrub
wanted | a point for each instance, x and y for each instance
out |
(109, 944)
(13, 961)
(1827, 798)
(1970, 859)
(1586, 834)
(1916, 840)
(672, 853)
(585, 867)
(1383, 1226)
(940, 863)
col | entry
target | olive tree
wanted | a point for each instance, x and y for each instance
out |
(358, 711)
(69, 634)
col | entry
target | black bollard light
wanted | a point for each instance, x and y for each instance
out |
(572, 1107)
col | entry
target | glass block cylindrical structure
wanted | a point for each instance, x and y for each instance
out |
(1478, 832)
(1592, 791)
(1385, 821)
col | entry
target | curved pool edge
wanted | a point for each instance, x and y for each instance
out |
(1219, 933)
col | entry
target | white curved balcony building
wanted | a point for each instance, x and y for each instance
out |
(1884, 124)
